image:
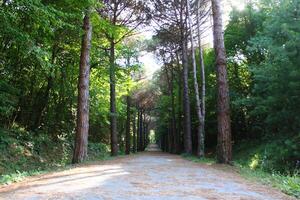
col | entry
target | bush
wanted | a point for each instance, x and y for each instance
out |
(274, 162)
(281, 155)
(25, 153)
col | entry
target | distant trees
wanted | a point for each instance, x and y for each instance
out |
(178, 19)
(124, 17)
(143, 99)
(177, 32)
(172, 19)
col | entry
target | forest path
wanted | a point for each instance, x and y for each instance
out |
(147, 175)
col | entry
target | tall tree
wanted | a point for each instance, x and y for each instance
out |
(134, 131)
(82, 127)
(224, 148)
(186, 99)
(200, 136)
(127, 136)
(125, 16)
(201, 144)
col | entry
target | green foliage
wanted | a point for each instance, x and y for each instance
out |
(40, 51)
(8, 101)
(263, 54)
(25, 154)
(277, 85)
(263, 162)
(276, 156)
(208, 161)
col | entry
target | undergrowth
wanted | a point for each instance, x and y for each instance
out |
(269, 163)
(23, 155)
(256, 161)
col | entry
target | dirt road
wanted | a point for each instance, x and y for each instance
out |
(144, 176)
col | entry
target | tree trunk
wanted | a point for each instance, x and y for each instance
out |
(201, 145)
(171, 129)
(196, 87)
(113, 113)
(186, 99)
(174, 148)
(179, 110)
(186, 102)
(143, 131)
(138, 131)
(127, 136)
(82, 128)
(224, 148)
(134, 131)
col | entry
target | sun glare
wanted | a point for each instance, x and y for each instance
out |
(238, 4)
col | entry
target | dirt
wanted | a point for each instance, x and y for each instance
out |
(143, 176)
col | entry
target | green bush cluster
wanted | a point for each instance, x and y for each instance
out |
(273, 163)
(25, 153)
(280, 155)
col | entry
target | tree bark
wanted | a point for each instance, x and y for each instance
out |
(174, 148)
(201, 145)
(224, 148)
(113, 112)
(134, 131)
(186, 99)
(82, 128)
(179, 110)
(140, 128)
(143, 131)
(127, 136)
(196, 87)
(171, 129)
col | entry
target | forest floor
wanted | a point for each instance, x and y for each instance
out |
(149, 175)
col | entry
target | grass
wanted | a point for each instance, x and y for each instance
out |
(21, 175)
(196, 159)
(22, 155)
(289, 184)
(258, 161)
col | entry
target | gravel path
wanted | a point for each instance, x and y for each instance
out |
(143, 176)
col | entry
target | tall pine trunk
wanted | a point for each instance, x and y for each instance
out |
(224, 148)
(171, 124)
(134, 132)
(113, 112)
(196, 87)
(186, 104)
(139, 132)
(127, 136)
(82, 128)
(175, 143)
(187, 136)
(179, 107)
(201, 139)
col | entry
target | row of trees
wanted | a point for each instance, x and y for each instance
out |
(40, 52)
(136, 13)
(262, 60)
(181, 23)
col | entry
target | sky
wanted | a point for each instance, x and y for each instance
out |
(151, 64)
